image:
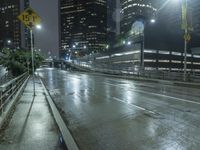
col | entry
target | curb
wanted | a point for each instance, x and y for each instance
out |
(68, 139)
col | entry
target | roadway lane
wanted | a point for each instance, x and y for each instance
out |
(106, 113)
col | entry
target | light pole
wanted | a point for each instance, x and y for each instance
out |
(185, 28)
(151, 21)
(32, 56)
(9, 42)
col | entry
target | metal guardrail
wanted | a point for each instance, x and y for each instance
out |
(128, 71)
(9, 89)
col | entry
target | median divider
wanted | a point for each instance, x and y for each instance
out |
(67, 137)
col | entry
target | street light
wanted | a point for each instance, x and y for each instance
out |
(32, 53)
(129, 43)
(152, 20)
(9, 41)
(38, 26)
(185, 27)
(107, 46)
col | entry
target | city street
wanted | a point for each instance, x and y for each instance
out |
(105, 113)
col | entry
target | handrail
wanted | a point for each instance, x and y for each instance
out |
(2, 87)
(9, 89)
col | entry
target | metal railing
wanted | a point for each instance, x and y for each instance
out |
(128, 71)
(9, 89)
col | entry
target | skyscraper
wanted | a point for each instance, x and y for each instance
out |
(111, 21)
(12, 33)
(132, 10)
(25, 32)
(10, 29)
(83, 26)
(160, 43)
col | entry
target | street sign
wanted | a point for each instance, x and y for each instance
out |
(187, 37)
(30, 18)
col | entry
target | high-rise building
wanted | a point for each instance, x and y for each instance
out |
(10, 29)
(157, 44)
(26, 41)
(83, 26)
(12, 33)
(132, 10)
(111, 21)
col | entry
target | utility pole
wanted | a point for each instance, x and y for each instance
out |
(185, 56)
(32, 56)
(186, 35)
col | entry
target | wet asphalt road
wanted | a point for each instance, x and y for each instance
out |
(106, 113)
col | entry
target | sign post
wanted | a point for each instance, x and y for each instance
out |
(30, 19)
(186, 26)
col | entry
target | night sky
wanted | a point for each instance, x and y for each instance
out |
(47, 38)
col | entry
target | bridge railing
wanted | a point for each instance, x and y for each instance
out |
(9, 89)
(128, 71)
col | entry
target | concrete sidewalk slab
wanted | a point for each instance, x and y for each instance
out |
(32, 126)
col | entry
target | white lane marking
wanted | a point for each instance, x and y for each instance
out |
(139, 107)
(161, 95)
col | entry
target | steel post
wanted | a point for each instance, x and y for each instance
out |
(32, 55)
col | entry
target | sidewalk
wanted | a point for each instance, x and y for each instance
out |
(32, 126)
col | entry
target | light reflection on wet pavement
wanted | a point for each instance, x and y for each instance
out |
(106, 113)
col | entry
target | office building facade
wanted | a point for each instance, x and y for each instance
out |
(25, 32)
(13, 33)
(161, 46)
(83, 26)
(133, 10)
(111, 21)
(10, 29)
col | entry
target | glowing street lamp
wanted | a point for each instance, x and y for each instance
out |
(38, 26)
(129, 43)
(9, 41)
(152, 20)
(107, 46)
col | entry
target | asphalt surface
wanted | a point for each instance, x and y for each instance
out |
(105, 113)
(32, 126)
